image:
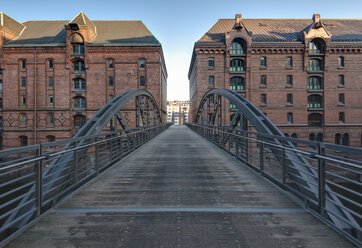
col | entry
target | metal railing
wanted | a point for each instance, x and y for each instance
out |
(328, 183)
(29, 185)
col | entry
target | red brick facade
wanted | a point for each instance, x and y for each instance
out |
(55, 91)
(288, 56)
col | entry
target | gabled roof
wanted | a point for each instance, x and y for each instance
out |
(82, 20)
(122, 33)
(10, 24)
(285, 30)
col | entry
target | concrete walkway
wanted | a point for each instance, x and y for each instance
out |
(179, 190)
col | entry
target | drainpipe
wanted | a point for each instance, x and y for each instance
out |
(35, 100)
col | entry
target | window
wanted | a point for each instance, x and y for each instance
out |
(142, 81)
(23, 64)
(79, 102)
(78, 66)
(311, 137)
(211, 62)
(289, 62)
(341, 81)
(237, 65)
(1, 104)
(263, 99)
(142, 63)
(211, 81)
(23, 140)
(51, 119)
(315, 65)
(286, 134)
(237, 48)
(50, 138)
(23, 101)
(341, 117)
(340, 62)
(78, 49)
(345, 139)
(23, 82)
(316, 46)
(294, 135)
(315, 120)
(315, 83)
(110, 82)
(110, 64)
(50, 64)
(237, 83)
(337, 138)
(341, 99)
(50, 82)
(263, 62)
(79, 121)
(1, 72)
(290, 117)
(319, 137)
(232, 106)
(23, 119)
(289, 99)
(289, 81)
(51, 100)
(1, 85)
(315, 101)
(79, 84)
(263, 81)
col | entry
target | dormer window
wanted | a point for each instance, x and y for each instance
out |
(237, 48)
(77, 45)
(78, 49)
(317, 46)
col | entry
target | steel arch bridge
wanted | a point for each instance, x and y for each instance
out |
(108, 121)
(309, 185)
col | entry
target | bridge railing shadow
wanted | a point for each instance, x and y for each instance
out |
(25, 185)
(333, 172)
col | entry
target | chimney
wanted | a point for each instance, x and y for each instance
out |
(316, 18)
(237, 18)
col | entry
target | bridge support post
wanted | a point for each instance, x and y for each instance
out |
(39, 180)
(261, 155)
(321, 180)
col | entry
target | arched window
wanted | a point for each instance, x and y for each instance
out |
(23, 140)
(79, 121)
(294, 135)
(315, 101)
(237, 48)
(50, 138)
(337, 138)
(79, 102)
(317, 46)
(78, 66)
(110, 64)
(286, 134)
(211, 62)
(77, 45)
(237, 65)
(315, 120)
(320, 137)
(345, 139)
(79, 84)
(312, 137)
(315, 65)
(315, 83)
(237, 83)
(142, 63)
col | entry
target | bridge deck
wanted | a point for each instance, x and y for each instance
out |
(179, 190)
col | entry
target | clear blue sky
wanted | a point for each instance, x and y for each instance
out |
(178, 24)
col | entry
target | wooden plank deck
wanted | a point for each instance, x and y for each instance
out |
(179, 190)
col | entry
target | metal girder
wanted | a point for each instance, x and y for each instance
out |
(263, 125)
(109, 112)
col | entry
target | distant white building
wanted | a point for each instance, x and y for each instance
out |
(178, 112)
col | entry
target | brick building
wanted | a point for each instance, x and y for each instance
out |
(55, 75)
(304, 74)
